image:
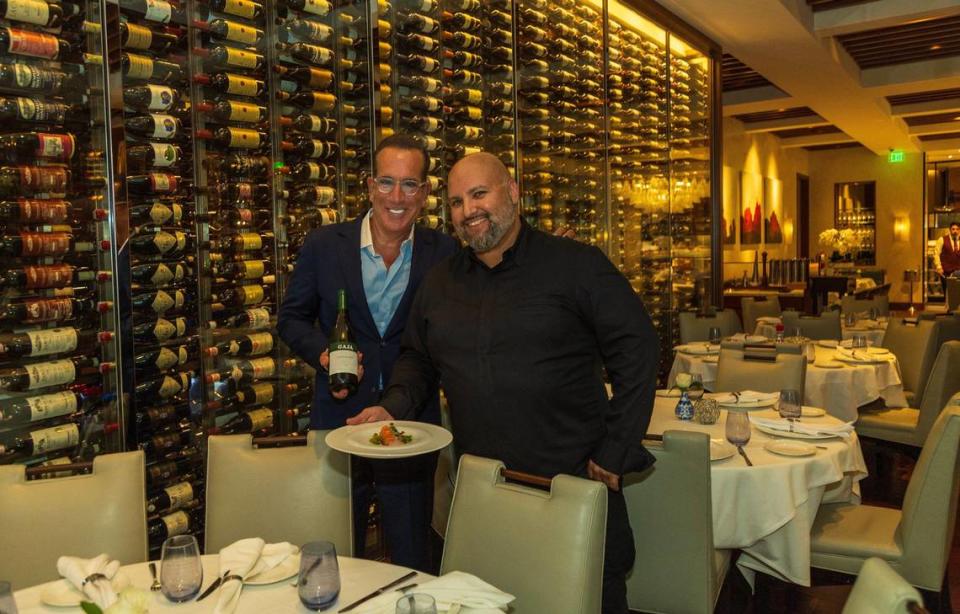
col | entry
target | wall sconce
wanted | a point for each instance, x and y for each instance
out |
(901, 228)
(788, 230)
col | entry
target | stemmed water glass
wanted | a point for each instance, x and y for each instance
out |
(790, 408)
(181, 573)
(737, 430)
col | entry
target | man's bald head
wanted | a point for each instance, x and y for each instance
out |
(483, 162)
(483, 201)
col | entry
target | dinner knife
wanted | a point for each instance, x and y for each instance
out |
(379, 591)
(213, 586)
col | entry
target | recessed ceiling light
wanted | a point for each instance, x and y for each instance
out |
(934, 47)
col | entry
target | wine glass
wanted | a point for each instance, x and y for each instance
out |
(319, 581)
(416, 603)
(714, 335)
(8, 604)
(181, 573)
(695, 391)
(850, 318)
(790, 404)
(738, 427)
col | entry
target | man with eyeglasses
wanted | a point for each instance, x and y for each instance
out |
(380, 259)
(519, 327)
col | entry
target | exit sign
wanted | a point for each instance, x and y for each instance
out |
(895, 156)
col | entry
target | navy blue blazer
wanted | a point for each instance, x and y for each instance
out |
(328, 261)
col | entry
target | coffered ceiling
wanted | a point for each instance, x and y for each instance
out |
(881, 74)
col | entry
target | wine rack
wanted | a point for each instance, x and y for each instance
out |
(165, 160)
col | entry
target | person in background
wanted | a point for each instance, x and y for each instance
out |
(380, 259)
(519, 327)
(946, 254)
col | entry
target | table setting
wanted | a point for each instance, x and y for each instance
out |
(873, 328)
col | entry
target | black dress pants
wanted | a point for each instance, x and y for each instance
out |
(619, 554)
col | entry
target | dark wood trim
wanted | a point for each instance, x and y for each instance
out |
(525, 478)
(33, 472)
(280, 440)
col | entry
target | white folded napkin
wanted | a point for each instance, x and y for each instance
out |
(453, 589)
(770, 320)
(858, 355)
(842, 429)
(672, 393)
(76, 570)
(745, 338)
(243, 559)
(744, 396)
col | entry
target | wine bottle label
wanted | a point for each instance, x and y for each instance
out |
(44, 243)
(56, 146)
(316, 31)
(328, 216)
(250, 241)
(260, 419)
(158, 10)
(430, 124)
(159, 213)
(162, 275)
(472, 114)
(161, 97)
(343, 358)
(262, 393)
(242, 59)
(43, 179)
(254, 269)
(316, 7)
(179, 494)
(32, 109)
(240, 8)
(322, 149)
(169, 387)
(161, 182)
(317, 55)
(251, 295)
(242, 86)
(55, 438)
(31, 77)
(425, 24)
(166, 359)
(49, 406)
(243, 112)
(164, 329)
(176, 523)
(161, 302)
(138, 37)
(164, 155)
(34, 44)
(323, 101)
(52, 276)
(260, 343)
(259, 318)
(164, 242)
(320, 78)
(472, 132)
(52, 341)
(160, 472)
(262, 367)
(324, 195)
(139, 67)
(55, 373)
(240, 33)
(243, 138)
(28, 11)
(164, 126)
(47, 310)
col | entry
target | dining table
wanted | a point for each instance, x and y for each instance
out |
(767, 510)
(358, 577)
(835, 383)
(872, 330)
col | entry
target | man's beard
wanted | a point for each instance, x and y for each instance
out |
(497, 227)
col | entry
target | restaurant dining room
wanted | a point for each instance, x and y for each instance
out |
(479, 306)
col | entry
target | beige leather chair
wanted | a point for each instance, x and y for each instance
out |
(81, 515)
(677, 568)
(914, 344)
(851, 304)
(694, 327)
(824, 326)
(879, 589)
(953, 294)
(753, 308)
(910, 426)
(916, 540)
(545, 548)
(295, 494)
(734, 373)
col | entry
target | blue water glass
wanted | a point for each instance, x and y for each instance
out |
(181, 572)
(319, 582)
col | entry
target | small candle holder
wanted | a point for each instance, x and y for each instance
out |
(706, 411)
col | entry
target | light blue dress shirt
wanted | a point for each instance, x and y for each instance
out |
(383, 287)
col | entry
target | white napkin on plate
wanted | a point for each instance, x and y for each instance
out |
(858, 355)
(745, 338)
(454, 588)
(745, 396)
(246, 558)
(842, 429)
(76, 570)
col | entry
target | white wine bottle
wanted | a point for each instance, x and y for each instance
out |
(344, 362)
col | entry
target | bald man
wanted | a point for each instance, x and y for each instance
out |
(519, 327)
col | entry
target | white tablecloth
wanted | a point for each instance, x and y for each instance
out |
(767, 510)
(358, 577)
(871, 329)
(840, 391)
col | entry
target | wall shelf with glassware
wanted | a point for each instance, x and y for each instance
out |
(855, 209)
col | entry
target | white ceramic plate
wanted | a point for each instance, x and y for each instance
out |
(805, 412)
(672, 393)
(62, 594)
(830, 364)
(287, 569)
(713, 358)
(356, 439)
(698, 349)
(790, 448)
(793, 435)
(828, 343)
(879, 351)
(750, 404)
(721, 449)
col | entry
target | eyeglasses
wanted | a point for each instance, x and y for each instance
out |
(409, 187)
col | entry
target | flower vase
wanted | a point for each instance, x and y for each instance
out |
(684, 409)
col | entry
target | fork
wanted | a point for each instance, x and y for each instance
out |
(153, 572)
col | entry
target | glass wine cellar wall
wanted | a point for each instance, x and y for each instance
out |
(163, 162)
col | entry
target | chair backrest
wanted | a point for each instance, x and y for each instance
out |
(852, 304)
(880, 589)
(930, 503)
(734, 373)
(671, 507)
(694, 327)
(81, 515)
(953, 293)
(943, 383)
(914, 345)
(545, 548)
(295, 494)
(752, 308)
(824, 326)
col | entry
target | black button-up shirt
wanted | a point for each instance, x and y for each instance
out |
(520, 350)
